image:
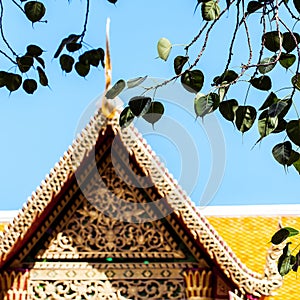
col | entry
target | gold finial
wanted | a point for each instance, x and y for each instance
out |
(108, 105)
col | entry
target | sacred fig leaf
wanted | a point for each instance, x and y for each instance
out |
(281, 235)
(73, 47)
(263, 83)
(112, 1)
(164, 47)
(253, 6)
(296, 81)
(155, 112)
(285, 261)
(245, 117)
(66, 62)
(281, 126)
(227, 77)
(287, 60)
(290, 41)
(272, 40)
(3, 78)
(116, 89)
(228, 108)
(179, 62)
(210, 10)
(272, 98)
(297, 262)
(92, 57)
(293, 158)
(29, 86)
(13, 81)
(34, 51)
(282, 152)
(297, 5)
(131, 83)
(82, 69)
(285, 109)
(266, 124)
(126, 117)
(25, 63)
(34, 11)
(205, 104)
(267, 64)
(139, 105)
(293, 131)
(277, 108)
(42, 77)
(192, 81)
(40, 61)
(296, 165)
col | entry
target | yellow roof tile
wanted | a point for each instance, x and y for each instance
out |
(249, 238)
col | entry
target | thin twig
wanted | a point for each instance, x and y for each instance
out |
(3, 53)
(196, 37)
(237, 26)
(18, 5)
(2, 33)
(85, 20)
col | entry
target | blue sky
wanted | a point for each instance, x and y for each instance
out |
(36, 130)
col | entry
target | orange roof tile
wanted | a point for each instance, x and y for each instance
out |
(249, 236)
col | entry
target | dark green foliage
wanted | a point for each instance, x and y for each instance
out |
(34, 10)
(192, 81)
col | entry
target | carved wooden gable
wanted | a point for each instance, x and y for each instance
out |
(107, 238)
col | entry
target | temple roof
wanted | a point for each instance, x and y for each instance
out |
(45, 197)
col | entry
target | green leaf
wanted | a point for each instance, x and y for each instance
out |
(154, 113)
(292, 231)
(164, 47)
(293, 158)
(139, 105)
(228, 109)
(92, 57)
(281, 126)
(3, 78)
(286, 109)
(34, 10)
(296, 81)
(227, 77)
(34, 51)
(285, 261)
(116, 89)
(210, 10)
(13, 82)
(25, 63)
(282, 152)
(29, 86)
(82, 69)
(269, 63)
(40, 61)
(297, 5)
(263, 83)
(280, 236)
(253, 6)
(266, 124)
(179, 62)
(272, 98)
(272, 40)
(290, 41)
(205, 104)
(296, 165)
(126, 117)
(131, 83)
(293, 131)
(73, 47)
(277, 108)
(66, 62)
(192, 81)
(42, 77)
(245, 117)
(287, 60)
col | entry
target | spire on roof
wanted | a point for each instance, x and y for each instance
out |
(108, 105)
